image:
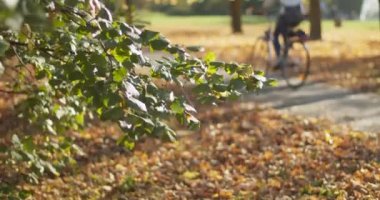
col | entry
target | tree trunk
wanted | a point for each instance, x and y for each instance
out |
(235, 12)
(315, 20)
(130, 11)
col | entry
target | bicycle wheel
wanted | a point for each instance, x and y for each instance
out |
(296, 67)
(261, 54)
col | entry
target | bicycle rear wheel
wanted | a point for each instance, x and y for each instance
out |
(296, 67)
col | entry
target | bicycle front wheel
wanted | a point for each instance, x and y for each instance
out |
(262, 54)
(297, 65)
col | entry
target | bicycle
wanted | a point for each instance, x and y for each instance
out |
(295, 57)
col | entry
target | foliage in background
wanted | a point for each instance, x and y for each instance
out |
(209, 7)
(77, 64)
(203, 7)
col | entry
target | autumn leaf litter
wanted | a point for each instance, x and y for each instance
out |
(241, 152)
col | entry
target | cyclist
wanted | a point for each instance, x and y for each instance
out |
(291, 15)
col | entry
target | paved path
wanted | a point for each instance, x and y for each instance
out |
(360, 111)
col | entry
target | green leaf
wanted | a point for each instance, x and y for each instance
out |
(79, 118)
(49, 126)
(177, 108)
(100, 62)
(130, 90)
(212, 69)
(125, 125)
(260, 73)
(170, 134)
(15, 155)
(119, 74)
(113, 99)
(195, 48)
(125, 28)
(15, 139)
(259, 77)
(74, 75)
(159, 44)
(271, 82)
(52, 169)
(113, 114)
(148, 35)
(147, 121)
(126, 42)
(237, 84)
(231, 68)
(193, 123)
(2, 69)
(189, 108)
(135, 103)
(120, 54)
(202, 88)
(128, 144)
(89, 71)
(128, 64)
(210, 57)
(28, 144)
(4, 46)
(217, 64)
(24, 194)
(207, 99)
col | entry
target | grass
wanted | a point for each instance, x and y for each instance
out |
(354, 24)
(214, 32)
(160, 20)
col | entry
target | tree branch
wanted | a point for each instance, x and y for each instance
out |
(22, 63)
(16, 43)
(13, 92)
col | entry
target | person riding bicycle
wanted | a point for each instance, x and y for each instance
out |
(290, 16)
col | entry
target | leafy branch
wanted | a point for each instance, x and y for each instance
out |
(87, 65)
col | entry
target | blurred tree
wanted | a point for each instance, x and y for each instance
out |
(350, 8)
(315, 20)
(253, 6)
(130, 11)
(210, 7)
(235, 11)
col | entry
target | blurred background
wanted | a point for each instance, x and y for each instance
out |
(344, 31)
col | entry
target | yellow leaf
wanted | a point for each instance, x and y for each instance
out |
(224, 194)
(328, 137)
(358, 135)
(214, 175)
(190, 175)
(274, 183)
(268, 155)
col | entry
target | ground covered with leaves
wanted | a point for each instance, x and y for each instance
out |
(241, 152)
